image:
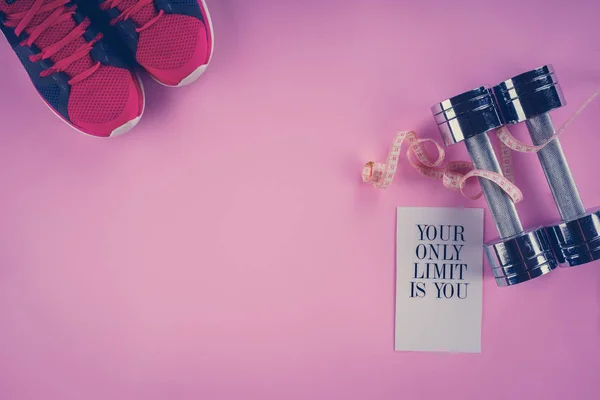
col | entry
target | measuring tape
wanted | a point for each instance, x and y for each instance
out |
(456, 173)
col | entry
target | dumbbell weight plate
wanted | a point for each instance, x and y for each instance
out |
(520, 258)
(576, 242)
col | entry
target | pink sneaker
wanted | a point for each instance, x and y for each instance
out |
(75, 71)
(171, 39)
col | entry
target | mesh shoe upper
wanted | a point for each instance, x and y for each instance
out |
(84, 82)
(173, 36)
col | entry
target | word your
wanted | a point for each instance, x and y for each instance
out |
(433, 232)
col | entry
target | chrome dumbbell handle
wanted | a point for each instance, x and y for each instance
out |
(529, 97)
(468, 117)
(556, 168)
(501, 206)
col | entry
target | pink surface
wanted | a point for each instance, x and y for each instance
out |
(226, 249)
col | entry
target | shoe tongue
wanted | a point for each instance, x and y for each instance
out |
(52, 35)
(141, 17)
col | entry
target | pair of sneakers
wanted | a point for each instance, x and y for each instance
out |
(84, 69)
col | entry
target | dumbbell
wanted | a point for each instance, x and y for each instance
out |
(530, 97)
(517, 255)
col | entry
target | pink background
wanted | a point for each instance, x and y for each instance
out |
(226, 248)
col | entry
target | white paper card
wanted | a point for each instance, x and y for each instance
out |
(439, 260)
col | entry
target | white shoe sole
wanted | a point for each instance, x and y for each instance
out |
(200, 70)
(125, 128)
